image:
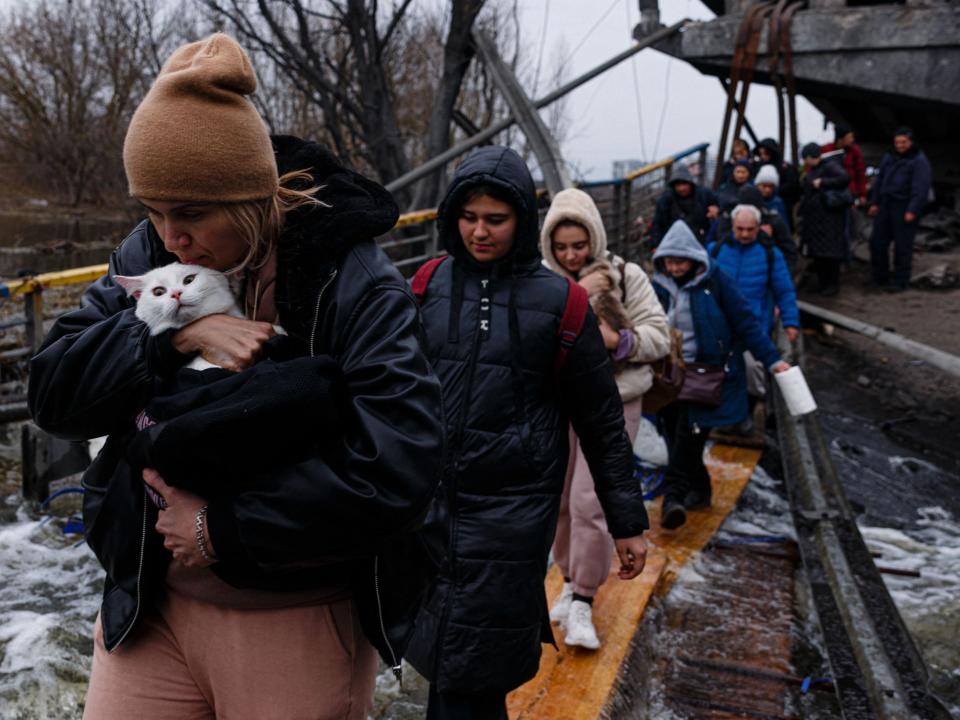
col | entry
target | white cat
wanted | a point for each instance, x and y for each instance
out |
(175, 295)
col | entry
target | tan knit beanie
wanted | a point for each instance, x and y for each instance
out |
(196, 136)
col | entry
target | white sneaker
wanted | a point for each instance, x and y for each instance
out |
(580, 629)
(561, 608)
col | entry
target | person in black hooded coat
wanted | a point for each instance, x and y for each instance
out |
(491, 332)
(684, 200)
(315, 469)
(823, 230)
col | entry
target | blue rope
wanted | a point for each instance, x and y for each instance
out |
(65, 491)
(73, 526)
(810, 680)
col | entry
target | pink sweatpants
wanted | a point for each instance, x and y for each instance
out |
(192, 660)
(583, 548)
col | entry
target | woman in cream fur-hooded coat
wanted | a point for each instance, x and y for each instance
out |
(582, 548)
(629, 285)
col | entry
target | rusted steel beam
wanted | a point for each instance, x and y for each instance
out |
(471, 142)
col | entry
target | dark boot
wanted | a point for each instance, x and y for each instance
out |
(672, 514)
(698, 499)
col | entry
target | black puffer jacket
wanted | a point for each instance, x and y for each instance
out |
(330, 514)
(692, 210)
(822, 228)
(507, 419)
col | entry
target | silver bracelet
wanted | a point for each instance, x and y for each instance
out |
(201, 539)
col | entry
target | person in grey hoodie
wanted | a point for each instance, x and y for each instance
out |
(717, 325)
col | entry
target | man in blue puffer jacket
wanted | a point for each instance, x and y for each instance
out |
(749, 257)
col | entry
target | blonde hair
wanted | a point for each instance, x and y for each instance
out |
(260, 222)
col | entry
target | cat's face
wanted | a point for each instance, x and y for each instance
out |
(175, 295)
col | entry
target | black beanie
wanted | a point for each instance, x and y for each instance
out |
(841, 129)
(810, 150)
(750, 195)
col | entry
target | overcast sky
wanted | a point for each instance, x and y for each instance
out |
(682, 112)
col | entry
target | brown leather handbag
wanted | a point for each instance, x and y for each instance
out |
(668, 375)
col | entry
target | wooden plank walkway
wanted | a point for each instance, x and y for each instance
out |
(574, 683)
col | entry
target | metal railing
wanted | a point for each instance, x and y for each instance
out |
(622, 202)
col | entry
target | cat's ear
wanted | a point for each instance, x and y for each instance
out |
(132, 284)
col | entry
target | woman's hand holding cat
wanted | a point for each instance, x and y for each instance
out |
(595, 282)
(178, 522)
(611, 338)
(232, 343)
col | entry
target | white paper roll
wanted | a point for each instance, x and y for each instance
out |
(796, 391)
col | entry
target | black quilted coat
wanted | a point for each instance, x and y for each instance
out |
(507, 415)
(821, 227)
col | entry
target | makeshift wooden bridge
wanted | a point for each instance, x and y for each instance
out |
(577, 684)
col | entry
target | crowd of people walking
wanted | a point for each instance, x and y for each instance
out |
(375, 467)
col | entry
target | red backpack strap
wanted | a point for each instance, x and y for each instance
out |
(571, 323)
(422, 277)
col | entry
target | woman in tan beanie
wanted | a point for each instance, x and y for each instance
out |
(278, 549)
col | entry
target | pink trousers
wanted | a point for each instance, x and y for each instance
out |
(583, 548)
(192, 660)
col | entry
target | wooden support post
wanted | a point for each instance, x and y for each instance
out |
(33, 310)
(47, 459)
(703, 167)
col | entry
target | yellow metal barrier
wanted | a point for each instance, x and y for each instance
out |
(31, 290)
(647, 169)
(61, 278)
(416, 217)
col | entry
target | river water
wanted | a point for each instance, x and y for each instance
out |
(907, 495)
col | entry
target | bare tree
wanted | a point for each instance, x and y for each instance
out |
(71, 74)
(335, 54)
(458, 51)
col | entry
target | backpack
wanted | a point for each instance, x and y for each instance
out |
(571, 322)
(767, 245)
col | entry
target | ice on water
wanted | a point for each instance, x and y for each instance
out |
(48, 599)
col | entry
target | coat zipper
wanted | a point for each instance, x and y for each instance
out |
(143, 545)
(461, 424)
(316, 310)
(396, 667)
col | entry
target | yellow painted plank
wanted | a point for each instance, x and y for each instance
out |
(575, 683)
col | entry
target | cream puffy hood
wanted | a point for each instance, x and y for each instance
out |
(576, 205)
(632, 288)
